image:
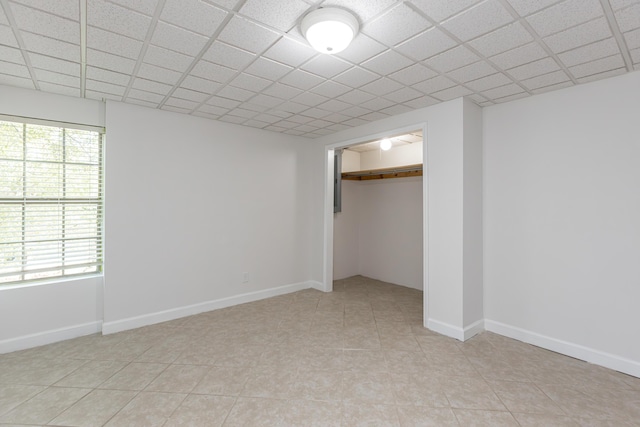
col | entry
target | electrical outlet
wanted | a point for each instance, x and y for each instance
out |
(245, 277)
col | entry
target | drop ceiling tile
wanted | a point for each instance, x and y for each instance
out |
(511, 97)
(94, 94)
(282, 91)
(256, 123)
(63, 90)
(422, 102)
(306, 128)
(219, 101)
(377, 104)
(178, 39)
(381, 86)
(579, 36)
(301, 79)
(452, 59)
(478, 20)
(502, 91)
(373, 116)
(268, 118)
(396, 25)
(635, 56)
(175, 109)
(426, 44)
(619, 4)
(235, 93)
(413, 74)
(158, 74)
(527, 7)
(489, 82)
(190, 95)
(320, 123)
(633, 39)
(535, 68)
(477, 98)
(151, 86)
(472, 72)
(364, 10)
(249, 82)
(144, 95)
(194, 15)
(200, 84)
(564, 15)
(552, 87)
(228, 56)
(117, 19)
(326, 66)
(435, 84)
(335, 106)
(205, 115)
(361, 48)
(146, 7)
(604, 75)
(210, 71)
(65, 8)
(331, 89)
(403, 95)
(338, 127)
(300, 119)
(275, 13)
(268, 69)
(294, 132)
(6, 36)
(396, 109)
(289, 52)
(54, 64)
(316, 113)
(355, 122)
(241, 112)
(232, 119)
(452, 93)
(110, 62)
(629, 18)
(310, 99)
(355, 111)
(439, 10)
(387, 63)
(246, 35)
(103, 87)
(17, 70)
(212, 109)
(590, 52)
(519, 56)
(166, 58)
(107, 41)
(501, 40)
(10, 54)
(8, 80)
(597, 67)
(107, 76)
(45, 24)
(355, 97)
(181, 103)
(51, 47)
(546, 80)
(356, 77)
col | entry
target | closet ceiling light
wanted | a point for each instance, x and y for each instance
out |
(329, 29)
(385, 144)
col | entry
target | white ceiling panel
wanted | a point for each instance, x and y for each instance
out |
(275, 13)
(248, 63)
(478, 20)
(396, 25)
(193, 15)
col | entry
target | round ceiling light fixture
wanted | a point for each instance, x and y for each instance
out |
(385, 144)
(329, 29)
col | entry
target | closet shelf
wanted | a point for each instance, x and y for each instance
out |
(386, 173)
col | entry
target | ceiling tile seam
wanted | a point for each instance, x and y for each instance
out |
(145, 46)
(471, 48)
(617, 34)
(538, 39)
(200, 54)
(83, 48)
(21, 45)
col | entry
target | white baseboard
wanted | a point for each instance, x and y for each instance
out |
(48, 337)
(190, 310)
(317, 285)
(454, 331)
(577, 351)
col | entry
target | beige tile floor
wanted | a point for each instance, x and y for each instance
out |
(356, 357)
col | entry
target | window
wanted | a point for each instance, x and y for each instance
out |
(51, 197)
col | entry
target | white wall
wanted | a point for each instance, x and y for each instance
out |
(401, 155)
(191, 205)
(350, 161)
(390, 231)
(561, 220)
(37, 314)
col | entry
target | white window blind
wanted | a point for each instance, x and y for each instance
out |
(51, 200)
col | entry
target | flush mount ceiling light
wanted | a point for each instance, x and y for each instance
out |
(385, 144)
(329, 29)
